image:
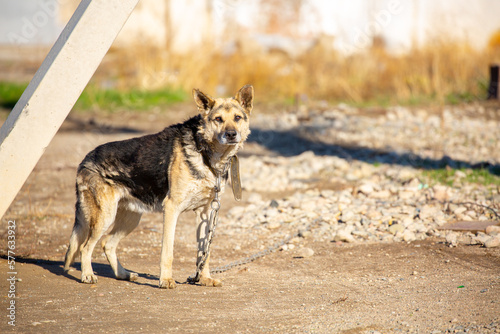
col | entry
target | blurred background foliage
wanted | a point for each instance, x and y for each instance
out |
(152, 67)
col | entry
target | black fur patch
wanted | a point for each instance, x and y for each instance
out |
(141, 164)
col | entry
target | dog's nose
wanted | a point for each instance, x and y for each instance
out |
(231, 135)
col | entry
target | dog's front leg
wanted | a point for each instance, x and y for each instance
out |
(170, 215)
(203, 222)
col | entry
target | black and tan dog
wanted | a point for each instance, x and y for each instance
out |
(172, 171)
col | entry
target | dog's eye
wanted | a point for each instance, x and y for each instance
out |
(237, 118)
(218, 119)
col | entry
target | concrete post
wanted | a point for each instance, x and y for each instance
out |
(55, 88)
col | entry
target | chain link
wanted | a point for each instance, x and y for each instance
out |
(212, 224)
(214, 219)
(265, 252)
(277, 245)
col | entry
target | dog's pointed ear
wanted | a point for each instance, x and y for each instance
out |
(203, 101)
(245, 98)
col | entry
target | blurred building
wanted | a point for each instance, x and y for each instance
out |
(291, 26)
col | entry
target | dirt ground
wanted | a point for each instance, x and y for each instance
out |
(417, 287)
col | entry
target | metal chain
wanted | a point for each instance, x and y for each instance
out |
(265, 252)
(212, 224)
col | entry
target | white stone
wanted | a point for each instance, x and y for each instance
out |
(492, 242)
(409, 236)
(344, 235)
(366, 188)
(305, 252)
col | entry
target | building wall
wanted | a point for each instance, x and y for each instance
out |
(183, 25)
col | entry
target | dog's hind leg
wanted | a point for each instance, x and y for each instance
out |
(125, 222)
(102, 214)
(78, 236)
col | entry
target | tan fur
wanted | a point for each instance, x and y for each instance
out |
(103, 203)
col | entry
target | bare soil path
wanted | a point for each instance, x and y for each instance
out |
(419, 287)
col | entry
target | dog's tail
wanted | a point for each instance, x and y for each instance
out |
(78, 236)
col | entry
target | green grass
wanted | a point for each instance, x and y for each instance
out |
(458, 98)
(112, 99)
(94, 98)
(447, 176)
(10, 92)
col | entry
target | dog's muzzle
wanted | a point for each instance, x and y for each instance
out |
(229, 137)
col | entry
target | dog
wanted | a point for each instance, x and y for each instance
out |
(172, 171)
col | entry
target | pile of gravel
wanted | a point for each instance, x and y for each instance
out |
(353, 177)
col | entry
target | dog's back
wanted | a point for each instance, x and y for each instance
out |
(139, 166)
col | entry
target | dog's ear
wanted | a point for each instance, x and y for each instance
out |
(245, 98)
(203, 101)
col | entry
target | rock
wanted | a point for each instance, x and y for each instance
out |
(344, 235)
(305, 252)
(493, 230)
(391, 202)
(382, 194)
(361, 233)
(273, 225)
(309, 205)
(409, 236)
(407, 222)
(492, 242)
(452, 239)
(347, 215)
(481, 238)
(304, 233)
(460, 210)
(471, 214)
(406, 194)
(427, 212)
(395, 228)
(366, 188)
(406, 174)
(373, 214)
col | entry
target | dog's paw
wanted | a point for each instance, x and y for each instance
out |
(168, 283)
(132, 276)
(128, 276)
(204, 281)
(89, 279)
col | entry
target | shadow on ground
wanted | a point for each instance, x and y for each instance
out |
(290, 143)
(100, 269)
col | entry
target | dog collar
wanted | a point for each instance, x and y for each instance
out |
(234, 165)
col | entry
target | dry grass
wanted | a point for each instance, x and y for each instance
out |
(439, 71)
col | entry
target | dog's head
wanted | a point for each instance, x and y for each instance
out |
(226, 120)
